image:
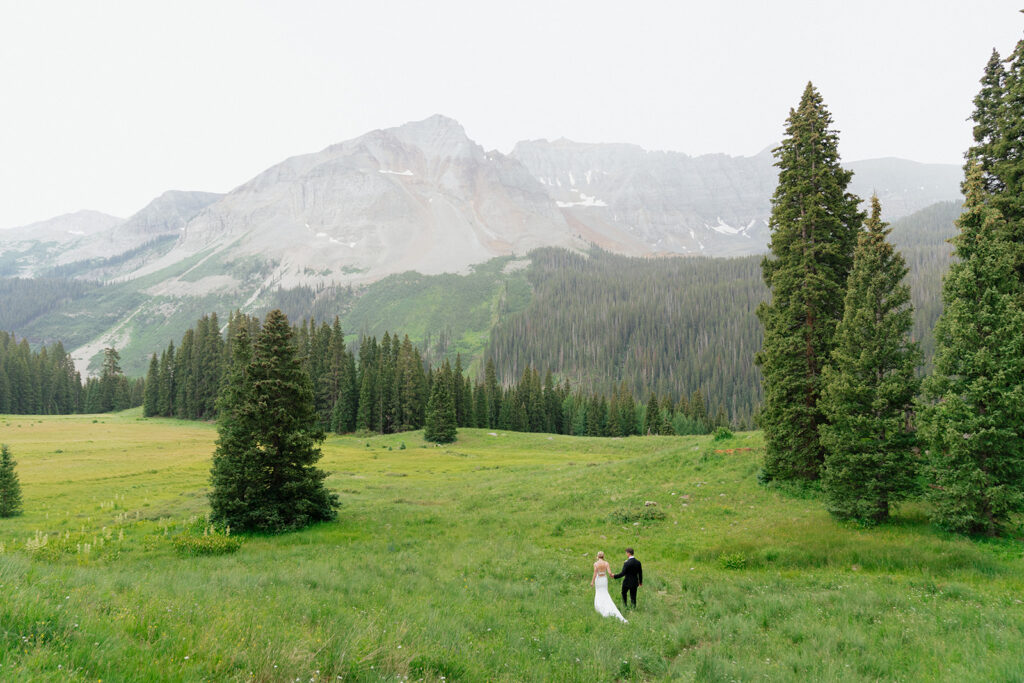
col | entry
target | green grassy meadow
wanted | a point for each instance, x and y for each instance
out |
(473, 561)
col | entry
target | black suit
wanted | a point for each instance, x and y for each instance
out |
(632, 576)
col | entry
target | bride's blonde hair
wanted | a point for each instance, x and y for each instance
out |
(600, 554)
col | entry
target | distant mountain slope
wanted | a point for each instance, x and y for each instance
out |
(905, 186)
(87, 243)
(27, 249)
(69, 227)
(633, 201)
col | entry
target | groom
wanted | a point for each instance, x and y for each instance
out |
(632, 576)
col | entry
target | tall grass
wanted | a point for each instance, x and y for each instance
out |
(472, 562)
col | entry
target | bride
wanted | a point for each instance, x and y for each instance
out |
(602, 601)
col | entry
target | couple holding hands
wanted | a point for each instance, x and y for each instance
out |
(632, 575)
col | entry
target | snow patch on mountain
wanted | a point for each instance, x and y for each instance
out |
(724, 228)
(584, 200)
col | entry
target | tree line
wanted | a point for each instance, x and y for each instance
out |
(386, 386)
(45, 382)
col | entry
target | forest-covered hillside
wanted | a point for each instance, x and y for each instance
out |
(663, 325)
(672, 326)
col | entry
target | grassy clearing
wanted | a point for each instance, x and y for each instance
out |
(472, 562)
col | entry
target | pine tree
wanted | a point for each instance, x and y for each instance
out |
(440, 424)
(113, 383)
(165, 401)
(869, 388)
(493, 395)
(652, 417)
(10, 488)
(480, 405)
(151, 401)
(814, 224)
(343, 417)
(1007, 167)
(697, 410)
(666, 417)
(264, 476)
(973, 421)
(988, 107)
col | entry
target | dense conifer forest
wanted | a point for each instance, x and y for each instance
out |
(27, 298)
(664, 326)
(45, 382)
(386, 386)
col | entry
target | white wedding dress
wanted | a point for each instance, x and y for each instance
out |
(602, 601)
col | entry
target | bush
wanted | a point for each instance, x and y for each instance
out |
(630, 515)
(210, 542)
(733, 561)
(721, 434)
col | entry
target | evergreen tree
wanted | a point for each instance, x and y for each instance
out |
(343, 418)
(988, 108)
(698, 410)
(480, 405)
(10, 488)
(652, 417)
(814, 224)
(470, 406)
(869, 388)
(440, 424)
(493, 395)
(264, 476)
(552, 406)
(369, 357)
(999, 146)
(457, 391)
(625, 411)
(184, 382)
(666, 417)
(973, 421)
(165, 400)
(113, 383)
(151, 400)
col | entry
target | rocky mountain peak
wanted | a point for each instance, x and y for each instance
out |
(65, 228)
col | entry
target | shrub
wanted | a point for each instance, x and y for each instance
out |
(721, 434)
(630, 515)
(733, 561)
(210, 542)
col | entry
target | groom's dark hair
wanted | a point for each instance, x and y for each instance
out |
(629, 550)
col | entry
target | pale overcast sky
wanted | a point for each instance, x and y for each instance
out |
(107, 104)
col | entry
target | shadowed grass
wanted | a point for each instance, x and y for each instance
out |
(472, 562)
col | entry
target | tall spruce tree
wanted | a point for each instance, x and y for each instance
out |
(264, 476)
(652, 417)
(869, 388)
(988, 107)
(973, 419)
(10, 487)
(814, 224)
(151, 399)
(440, 424)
